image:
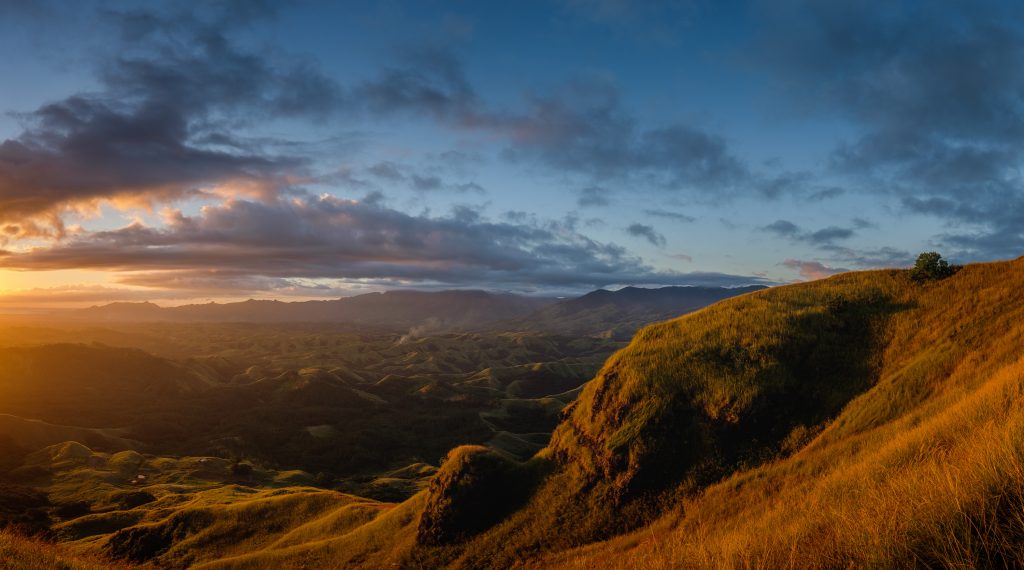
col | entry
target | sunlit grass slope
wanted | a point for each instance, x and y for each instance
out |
(834, 411)
(867, 420)
(20, 553)
(926, 468)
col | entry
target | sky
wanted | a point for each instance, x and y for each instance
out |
(194, 151)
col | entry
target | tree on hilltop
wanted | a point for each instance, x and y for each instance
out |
(930, 265)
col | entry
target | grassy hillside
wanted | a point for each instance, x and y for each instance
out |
(851, 420)
(20, 553)
(867, 420)
(924, 469)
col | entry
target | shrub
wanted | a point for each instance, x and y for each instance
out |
(931, 266)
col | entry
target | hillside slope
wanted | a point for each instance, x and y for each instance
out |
(855, 421)
(864, 420)
(925, 469)
(20, 553)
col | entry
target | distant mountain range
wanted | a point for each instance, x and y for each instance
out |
(616, 314)
(400, 309)
(619, 314)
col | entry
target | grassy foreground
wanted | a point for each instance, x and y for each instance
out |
(20, 553)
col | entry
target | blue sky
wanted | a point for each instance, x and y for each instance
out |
(216, 150)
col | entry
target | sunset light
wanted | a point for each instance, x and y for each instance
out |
(568, 284)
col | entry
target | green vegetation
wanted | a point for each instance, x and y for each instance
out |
(930, 265)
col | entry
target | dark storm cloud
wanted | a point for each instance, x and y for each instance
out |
(646, 232)
(327, 237)
(936, 90)
(160, 127)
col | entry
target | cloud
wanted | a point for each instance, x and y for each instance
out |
(77, 296)
(783, 228)
(829, 235)
(821, 238)
(158, 130)
(811, 270)
(429, 81)
(246, 243)
(425, 183)
(825, 194)
(584, 129)
(868, 258)
(933, 90)
(387, 171)
(646, 232)
(594, 196)
(827, 240)
(661, 21)
(670, 215)
(580, 127)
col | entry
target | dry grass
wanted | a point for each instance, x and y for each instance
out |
(861, 421)
(21, 553)
(926, 469)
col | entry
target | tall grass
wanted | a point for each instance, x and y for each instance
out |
(21, 553)
(926, 469)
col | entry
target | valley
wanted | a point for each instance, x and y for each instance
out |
(110, 422)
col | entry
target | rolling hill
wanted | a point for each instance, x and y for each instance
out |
(865, 420)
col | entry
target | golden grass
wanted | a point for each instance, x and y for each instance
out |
(21, 553)
(926, 469)
(861, 421)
